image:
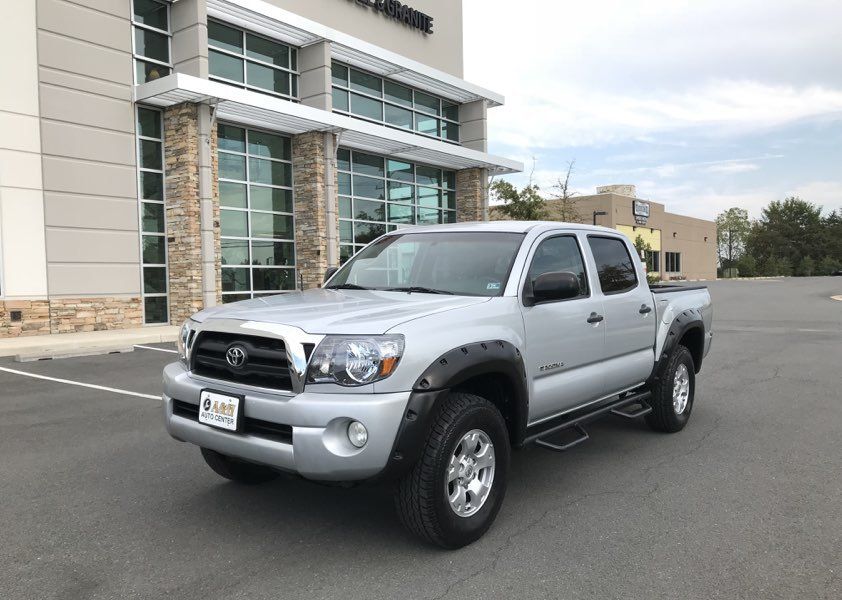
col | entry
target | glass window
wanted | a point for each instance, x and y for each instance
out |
(672, 261)
(153, 217)
(256, 259)
(470, 264)
(399, 117)
(152, 44)
(151, 40)
(267, 51)
(151, 13)
(155, 309)
(366, 180)
(559, 254)
(154, 280)
(151, 186)
(154, 249)
(149, 123)
(372, 97)
(252, 60)
(614, 264)
(151, 155)
(368, 84)
(225, 66)
(366, 107)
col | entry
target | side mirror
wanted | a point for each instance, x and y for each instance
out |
(329, 273)
(556, 285)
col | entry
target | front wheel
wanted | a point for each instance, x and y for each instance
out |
(673, 393)
(453, 494)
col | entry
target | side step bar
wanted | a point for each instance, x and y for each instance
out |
(576, 421)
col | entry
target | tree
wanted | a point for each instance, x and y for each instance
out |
(565, 205)
(806, 268)
(828, 266)
(789, 230)
(747, 266)
(520, 205)
(732, 229)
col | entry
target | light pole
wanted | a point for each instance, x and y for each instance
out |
(598, 213)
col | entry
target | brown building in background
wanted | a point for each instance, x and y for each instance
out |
(681, 247)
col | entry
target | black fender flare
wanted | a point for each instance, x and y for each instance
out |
(432, 387)
(683, 322)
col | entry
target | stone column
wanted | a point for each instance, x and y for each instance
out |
(471, 195)
(183, 210)
(315, 224)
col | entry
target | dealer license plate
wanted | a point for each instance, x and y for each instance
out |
(220, 410)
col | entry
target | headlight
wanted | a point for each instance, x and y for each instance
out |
(352, 360)
(185, 339)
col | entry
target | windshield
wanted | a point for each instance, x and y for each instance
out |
(462, 263)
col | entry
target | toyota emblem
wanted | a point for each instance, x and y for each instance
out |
(236, 356)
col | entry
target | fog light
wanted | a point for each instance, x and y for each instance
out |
(357, 434)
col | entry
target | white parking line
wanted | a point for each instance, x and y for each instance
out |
(158, 349)
(79, 383)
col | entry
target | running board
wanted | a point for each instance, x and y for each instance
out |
(576, 422)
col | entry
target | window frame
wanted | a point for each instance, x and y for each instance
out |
(676, 258)
(413, 108)
(141, 201)
(294, 74)
(637, 279)
(141, 58)
(248, 210)
(526, 284)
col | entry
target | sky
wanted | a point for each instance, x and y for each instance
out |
(703, 105)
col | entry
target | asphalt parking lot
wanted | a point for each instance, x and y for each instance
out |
(96, 501)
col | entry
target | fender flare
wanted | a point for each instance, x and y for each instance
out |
(685, 321)
(432, 387)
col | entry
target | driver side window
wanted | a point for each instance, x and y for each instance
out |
(559, 253)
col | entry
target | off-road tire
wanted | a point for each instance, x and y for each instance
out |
(663, 416)
(421, 496)
(238, 470)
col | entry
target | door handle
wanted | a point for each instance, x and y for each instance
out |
(645, 309)
(595, 318)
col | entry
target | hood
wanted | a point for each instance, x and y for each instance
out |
(321, 311)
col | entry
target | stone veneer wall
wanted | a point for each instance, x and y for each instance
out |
(183, 210)
(68, 315)
(311, 234)
(35, 318)
(471, 200)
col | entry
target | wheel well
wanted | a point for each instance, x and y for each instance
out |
(498, 389)
(694, 340)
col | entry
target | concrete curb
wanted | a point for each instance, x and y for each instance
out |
(65, 345)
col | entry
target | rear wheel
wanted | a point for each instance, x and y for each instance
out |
(238, 470)
(453, 494)
(673, 393)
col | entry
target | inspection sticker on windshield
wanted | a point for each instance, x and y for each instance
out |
(220, 410)
(494, 285)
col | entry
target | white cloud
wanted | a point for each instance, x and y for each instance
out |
(733, 168)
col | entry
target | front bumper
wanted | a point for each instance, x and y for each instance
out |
(320, 448)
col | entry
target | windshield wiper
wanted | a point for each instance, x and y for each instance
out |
(419, 290)
(347, 286)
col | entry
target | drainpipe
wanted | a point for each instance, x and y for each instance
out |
(207, 121)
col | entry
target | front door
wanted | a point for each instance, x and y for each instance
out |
(565, 340)
(629, 313)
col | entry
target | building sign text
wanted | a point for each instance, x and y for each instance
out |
(401, 12)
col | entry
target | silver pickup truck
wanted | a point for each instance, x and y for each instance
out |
(429, 356)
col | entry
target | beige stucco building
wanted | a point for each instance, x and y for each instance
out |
(158, 157)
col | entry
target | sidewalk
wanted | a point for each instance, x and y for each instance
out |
(63, 345)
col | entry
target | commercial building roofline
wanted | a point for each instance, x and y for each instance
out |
(275, 22)
(261, 110)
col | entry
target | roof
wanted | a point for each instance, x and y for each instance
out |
(503, 227)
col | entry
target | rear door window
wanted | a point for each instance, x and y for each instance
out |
(614, 265)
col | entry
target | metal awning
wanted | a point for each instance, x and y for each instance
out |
(261, 110)
(275, 22)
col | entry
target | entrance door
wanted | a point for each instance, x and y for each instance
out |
(564, 349)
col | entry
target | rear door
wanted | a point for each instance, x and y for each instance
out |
(629, 310)
(563, 349)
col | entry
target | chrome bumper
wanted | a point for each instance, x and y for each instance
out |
(320, 448)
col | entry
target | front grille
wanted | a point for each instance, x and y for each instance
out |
(265, 429)
(266, 365)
